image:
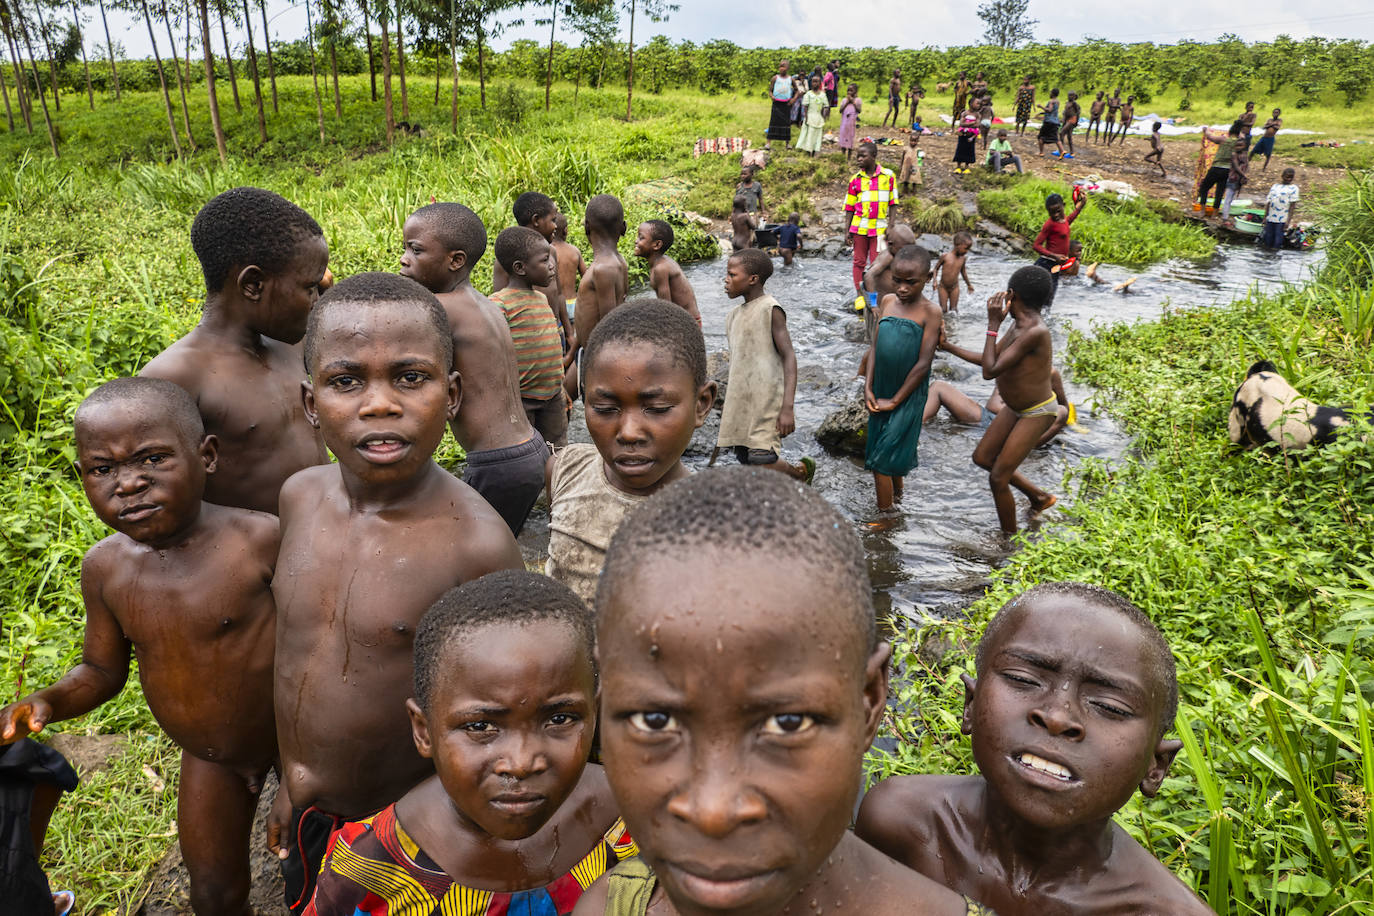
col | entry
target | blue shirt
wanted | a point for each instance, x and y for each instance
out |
(789, 236)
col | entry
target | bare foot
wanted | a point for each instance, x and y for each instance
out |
(1038, 506)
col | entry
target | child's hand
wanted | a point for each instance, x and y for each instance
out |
(786, 422)
(997, 309)
(870, 401)
(970, 285)
(279, 825)
(942, 343)
(883, 405)
(27, 717)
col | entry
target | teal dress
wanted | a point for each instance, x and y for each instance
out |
(893, 435)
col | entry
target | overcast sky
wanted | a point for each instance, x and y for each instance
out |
(775, 23)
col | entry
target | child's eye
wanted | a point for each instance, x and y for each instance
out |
(154, 460)
(788, 723)
(1019, 679)
(99, 470)
(412, 378)
(342, 381)
(562, 718)
(1112, 709)
(653, 721)
(477, 727)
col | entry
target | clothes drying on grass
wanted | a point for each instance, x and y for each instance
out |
(720, 145)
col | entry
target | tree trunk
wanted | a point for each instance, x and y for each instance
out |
(630, 80)
(371, 61)
(386, 73)
(267, 46)
(253, 68)
(314, 74)
(21, 96)
(5, 88)
(453, 60)
(85, 65)
(229, 59)
(438, 77)
(109, 48)
(333, 12)
(481, 67)
(42, 98)
(52, 62)
(401, 65)
(601, 70)
(162, 80)
(181, 86)
(577, 77)
(548, 72)
(209, 56)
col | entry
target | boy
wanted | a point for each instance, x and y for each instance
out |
(652, 241)
(1247, 121)
(186, 585)
(1113, 108)
(1071, 113)
(1127, 119)
(1157, 149)
(894, 98)
(505, 661)
(539, 212)
(1240, 165)
(1265, 144)
(607, 279)
(952, 265)
(1280, 209)
(528, 262)
(789, 238)
(757, 414)
(1095, 118)
(1000, 154)
(742, 225)
(872, 190)
(505, 454)
(1074, 694)
(368, 544)
(1022, 367)
(571, 265)
(264, 260)
(913, 101)
(911, 163)
(646, 394)
(750, 188)
(735, 737)
(1052, 242)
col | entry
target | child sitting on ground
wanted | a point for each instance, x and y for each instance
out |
(1075, 691)
(571, 265)
(607, 279)
(757, 414)
(528, 262)
(750, 188)
(964, 409)
(1000, 155)
(652, 241)
(379, 354)
(734, 742)
(1052, 242)
(790, 238)
(898, 373)
(505, 706)
(505, 454)
(1157, 149)
(952, 265)
(1022, 366)
(646, 393)
(265, 261)
(539, 212)
(910, 173)
(186, 585)
(742, 225)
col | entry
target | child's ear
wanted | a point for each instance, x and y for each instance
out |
(312, 416)
(876, 671)
(419, 728)
(250, 282)
(209, 453)
(457, 260)
(706, 399)
(455, 394)
(1165, 751)
(970, 692)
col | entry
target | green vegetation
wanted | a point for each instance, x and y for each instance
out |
(1257, 568)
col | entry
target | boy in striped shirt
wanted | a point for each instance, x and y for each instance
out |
(871, 191)
(529, 263)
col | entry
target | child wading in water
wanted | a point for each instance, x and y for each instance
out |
(898, 374)
(1052, 242)
(952, 265)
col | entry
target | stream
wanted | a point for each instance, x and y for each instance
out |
(936, 559)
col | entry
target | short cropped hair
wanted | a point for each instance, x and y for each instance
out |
(458, 228)
(747, 510)
(1162, 667)
(1236, 128)
(652, 321)
(913, 254)
(246, 226)
(1033, 285)
(1054, 199)
(518, 243)
(660, 231)
(605, 211)
(963, 235)
(164, 399)
(375, 289)
(530, 206)
(869, 145)
(755, 261)
(510, 596)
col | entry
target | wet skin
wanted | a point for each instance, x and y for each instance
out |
(878, 279)
(242, 365)
(185, 586)
(490, 414)
(734, 725)
(368, 545)
(1064, 732)
(607, 279)
(666, 278)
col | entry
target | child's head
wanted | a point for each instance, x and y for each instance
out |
(605, 217)
(910, 272)
(899, 235)
(913, 138)
(1032, 287)
(1277, 111)
(524, 253)
(1075, 691)
(794, 219)
(536, 211)
(645, 390)
(1249, 106)
(1156, 126)
(866, 155)
(654, 236)
(747, 269)
(379, 353)
(1235, 129)
(270, 254)
(143, 457)
(1054, 93)
(441, 242)
(746, 174)
(963, 241)
(852, 89)
(742, 682)
(560, 227)
(1073, 96)
(740, 204)
(1101, 94)
(1130, 99)
(815, 82)
(505, 698)
(1075, 247)
(1288, 176)
(1054, 206)
(1001, 133)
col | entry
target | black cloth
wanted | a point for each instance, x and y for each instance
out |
(1049, 132)
(966, 149)
(23, 886)
(310, 829)
(780, 122)
(510, 478)
(1215, 178)
(1050, 264)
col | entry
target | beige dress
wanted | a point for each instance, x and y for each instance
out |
(753, 394)
(584, 513)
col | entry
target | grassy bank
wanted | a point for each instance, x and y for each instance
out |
(1258, 569)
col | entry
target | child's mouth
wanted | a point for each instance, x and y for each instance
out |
(1048, 767)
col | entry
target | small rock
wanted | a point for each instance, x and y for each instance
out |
(845, 431)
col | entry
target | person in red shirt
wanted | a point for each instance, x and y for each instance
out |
(1052, 244)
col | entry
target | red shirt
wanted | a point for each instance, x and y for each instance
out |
(1054, 236)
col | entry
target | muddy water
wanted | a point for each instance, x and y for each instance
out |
(938, 556)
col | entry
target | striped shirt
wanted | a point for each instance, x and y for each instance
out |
(868, 199)
(538, 348)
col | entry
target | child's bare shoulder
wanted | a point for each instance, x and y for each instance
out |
(1154, 889)
(306, 487)
(482, 538)
(900, 811)
(885, 887)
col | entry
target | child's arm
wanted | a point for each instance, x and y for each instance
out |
(931, 322)
(963, 272)
(963, 353)
(783, 342)
(1078, 208)
(1038, 246)
(661, 281)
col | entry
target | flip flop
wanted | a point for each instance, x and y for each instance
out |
(810, 465)
(1068, 155)
(62, 902)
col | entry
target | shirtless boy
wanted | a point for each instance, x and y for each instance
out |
(1157, 149)
(368, 544)
(1022, 367)
(505, 454)
(1113, 108)
(742, 225)
(894, 98)
(1265, 144)
(607, 278)
(734, 742)
(264, 260)
(539, 212)
(1072, 111)
(1247, 120)
(952, 265)
(666, 279)
(186, 585)
(1127, 119)
(1095, 118)
(571, 265)
(1074, 694)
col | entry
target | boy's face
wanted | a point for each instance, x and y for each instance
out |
(1055, 210)
(141, 475)
(427, 260)
(865, 158)
(546, 223)
(908, 279)
(745, 176)
(510, 723)
(285, 298)
(540, 267)
(1065, 730)
(380, 390)
(962, 247)
(645, 243)
(738, 279)
(735, 720)
(642, 408)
